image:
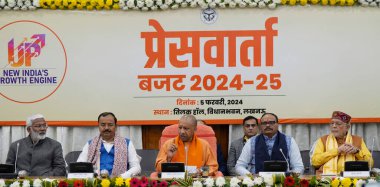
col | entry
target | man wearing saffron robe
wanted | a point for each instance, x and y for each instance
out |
(198, 152)
(108, 151)
(331, 151)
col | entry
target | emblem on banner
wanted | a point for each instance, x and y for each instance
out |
(35, 62)
(25, 50)
(209, 16)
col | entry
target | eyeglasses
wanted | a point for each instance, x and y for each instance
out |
(107, 124)
(40, 126)
(271, 123)
(337, 124)
(250, 125)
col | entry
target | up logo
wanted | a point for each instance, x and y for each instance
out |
(33, 62)
(25, 50)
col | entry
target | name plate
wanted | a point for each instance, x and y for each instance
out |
(356, 174)
(270, 173)
(80, 175)
(170, 175)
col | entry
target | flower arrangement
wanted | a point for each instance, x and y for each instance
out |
(19, 4)
(248, 181)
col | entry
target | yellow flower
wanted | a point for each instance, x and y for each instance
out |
(332, 2)
(116, 6)
(292, 2)
(350, 2)
(324, 2)
(105, 183)
(119, 181)
(65, 3)
(335, 182)
(73, 2)
(93, 2)
(303, 2)
(53, 7)
(109, 2)
(355, 181)
(314, 1)
(128, 182)
(346, 182)
(342, 2)
(48, 2)
(284, 2)
(71, 7)
(79, 7)
(57, 2)
(90, 7)
(107, 7)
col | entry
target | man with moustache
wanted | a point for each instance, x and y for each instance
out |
(199, 152)
(108, 151)
(37, 154)
(331, 151)
(269, 145)
(250, 129)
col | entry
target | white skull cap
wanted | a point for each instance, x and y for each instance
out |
(30, 119)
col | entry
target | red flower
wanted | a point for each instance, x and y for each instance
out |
(154, 183)
(289, 181)
(175, 183)
(164, 184)
(62, 184)
(78, 183)
(135, 182)
(144, 182)
(304, 183)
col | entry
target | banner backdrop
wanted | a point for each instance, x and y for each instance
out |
(221, 65)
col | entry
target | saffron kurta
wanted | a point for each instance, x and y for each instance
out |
(199, 154)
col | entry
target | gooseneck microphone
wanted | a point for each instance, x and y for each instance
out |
(285, 159)
(186, 151)
(18, 145)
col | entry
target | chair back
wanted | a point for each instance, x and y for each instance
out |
(203, 131)
(376, 159)
(305, 155)
(72, 156)
(148, 160)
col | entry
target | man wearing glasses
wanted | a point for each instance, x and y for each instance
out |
(269, 145)
(108, 151)
(37, 154)
(331, 151)
(250, 129)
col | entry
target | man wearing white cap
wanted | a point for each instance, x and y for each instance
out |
(37, 154)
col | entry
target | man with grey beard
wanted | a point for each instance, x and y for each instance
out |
(37, 154)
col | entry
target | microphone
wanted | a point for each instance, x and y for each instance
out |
(18, 145)
(285, 159)
(186, 150)
(373, 144)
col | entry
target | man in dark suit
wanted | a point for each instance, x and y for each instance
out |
(250, 128)
(37, 154)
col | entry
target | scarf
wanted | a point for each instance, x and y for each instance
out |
(331, 166)
(121, 152)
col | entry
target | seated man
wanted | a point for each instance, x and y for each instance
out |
(250, 129)
(199, 152)
(111, 152)
(331, 151)
(221, 162)
(37, 154)
(269, 145)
